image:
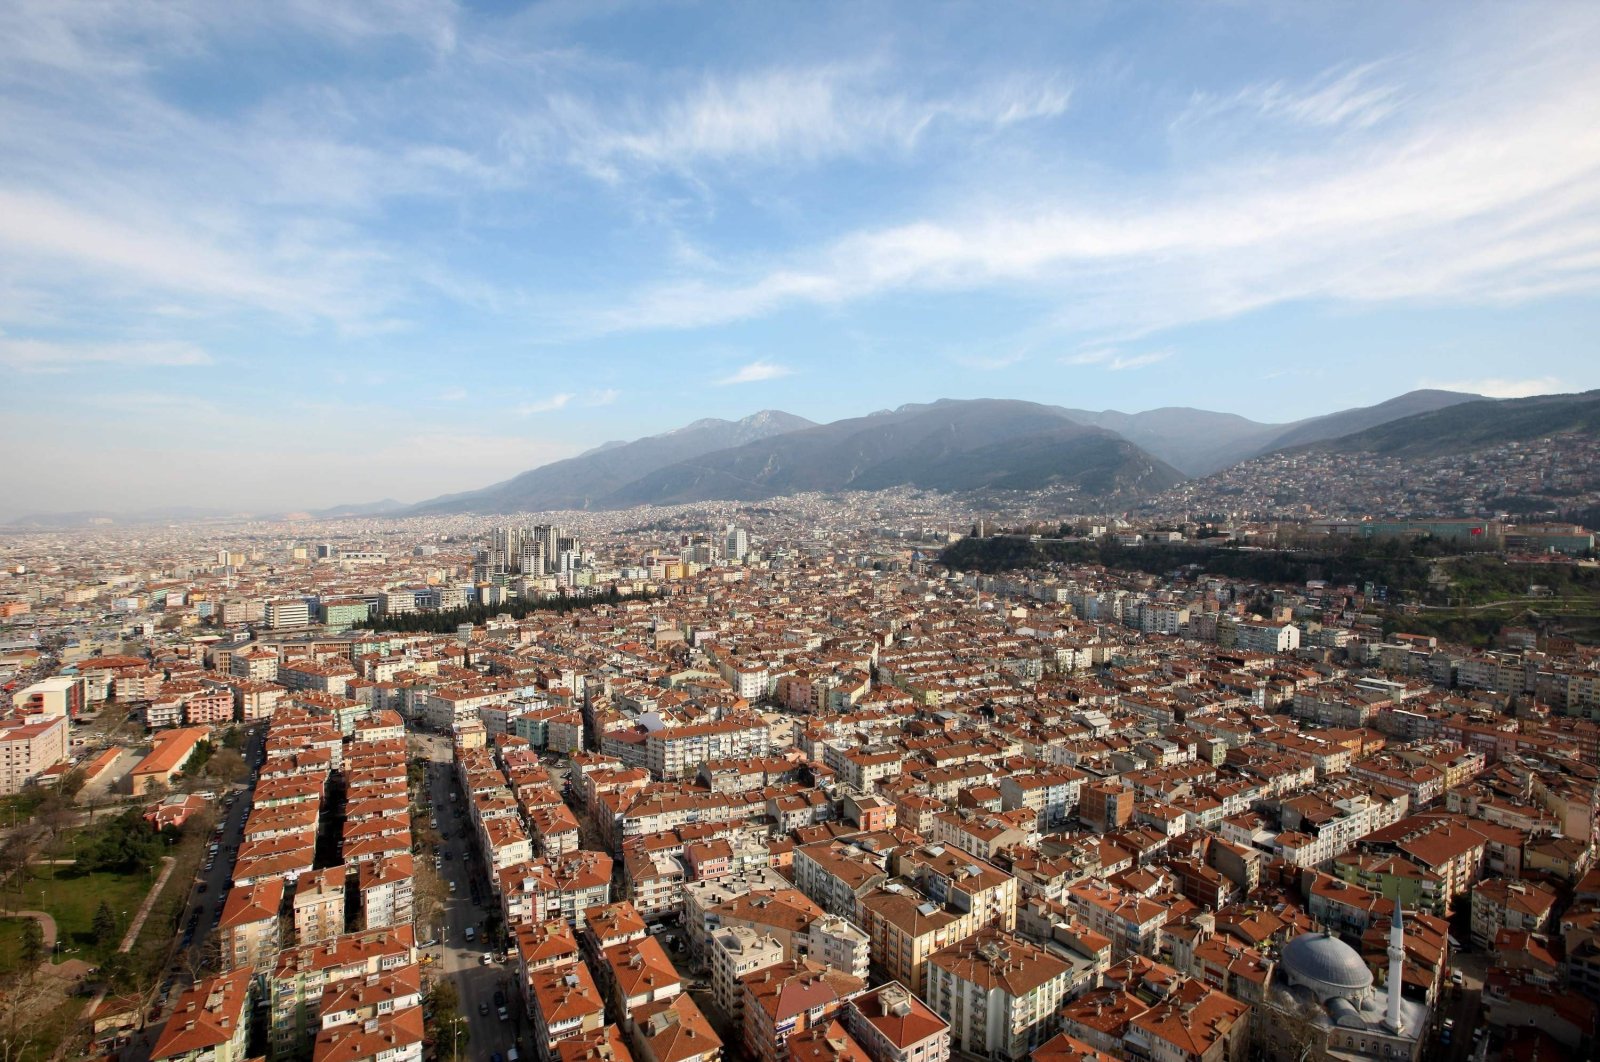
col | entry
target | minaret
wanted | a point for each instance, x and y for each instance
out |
(1397, 962)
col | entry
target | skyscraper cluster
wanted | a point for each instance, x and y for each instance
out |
(544, 549)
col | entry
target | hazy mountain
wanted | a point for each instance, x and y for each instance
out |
(1199, 441)
(1349, 421)
(578, 482)
(1471, 426)
(948, 445)
(377, 508)
(92, 517)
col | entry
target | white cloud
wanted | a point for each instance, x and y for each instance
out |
(604, 397)
(796, 114)
(1501, 387)
(755, 372)
(1113, 360)
(545, 405)
(1348, 97)
(41, 355)
(1488, 191)
(453, 394)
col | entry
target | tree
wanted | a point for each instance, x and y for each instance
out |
(13, 858)
(56, 814)
(453, 1029)
(21, 1006)
(226, 766)
(104, 926)
(118, 971)
(233, 739)
(73, 784)
(32, 943)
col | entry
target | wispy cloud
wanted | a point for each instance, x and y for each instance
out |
(40, 355)
(1352, 97)
(545, 405)
(1493, 198)
(604, 397)
(1113, 360)
(755, 372)
(798, 114)
(1500, 386)
(453, 394)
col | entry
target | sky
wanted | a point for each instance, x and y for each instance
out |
(299, 253)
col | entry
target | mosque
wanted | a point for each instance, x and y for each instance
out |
(1321, 978)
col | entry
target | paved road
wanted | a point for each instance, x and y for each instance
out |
(1462, 1006)
(47, 924)
(475, 982)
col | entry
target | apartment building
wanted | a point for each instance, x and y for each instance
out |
(29, 745)
(565, 1002)
(893, 1025)
(386, 887)
(248, 931)
(210, 1022)
(318, 905)
(789, 998)
(678, 752)
(1505, 903)
(999, 993)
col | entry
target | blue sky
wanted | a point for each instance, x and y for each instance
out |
(299, 253)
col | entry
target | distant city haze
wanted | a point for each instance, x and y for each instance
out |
(270, 258)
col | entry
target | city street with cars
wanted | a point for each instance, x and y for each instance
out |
(490, 1003)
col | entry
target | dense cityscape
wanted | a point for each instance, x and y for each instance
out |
(644, 531)
(773, 783)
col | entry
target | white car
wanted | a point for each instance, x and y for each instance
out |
(485, 959)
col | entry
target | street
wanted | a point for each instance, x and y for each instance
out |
(461, 961)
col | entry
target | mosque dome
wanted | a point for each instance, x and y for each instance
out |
(1325, 965)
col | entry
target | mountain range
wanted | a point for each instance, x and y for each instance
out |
(589, 480)
(966, 445)
(949, 445)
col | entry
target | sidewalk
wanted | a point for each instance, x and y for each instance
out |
(134, 927)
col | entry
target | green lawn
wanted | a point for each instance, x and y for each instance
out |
(71, 898)
(11, 943)
(17, 807)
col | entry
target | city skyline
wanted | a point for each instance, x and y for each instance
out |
(282, 256)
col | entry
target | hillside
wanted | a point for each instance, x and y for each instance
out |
(1199, 442)
(949, 445)
(1461, 429)
(579, 482)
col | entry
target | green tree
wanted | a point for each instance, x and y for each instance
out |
(122, 844)
(32, 943)
(453, 1028)
(119, 971)
(104, 926)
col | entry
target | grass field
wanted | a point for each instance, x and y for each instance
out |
(71, 899)
(11, 944)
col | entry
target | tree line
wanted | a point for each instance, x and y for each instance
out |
(448, 620)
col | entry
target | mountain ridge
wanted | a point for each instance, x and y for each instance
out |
(574, 482)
